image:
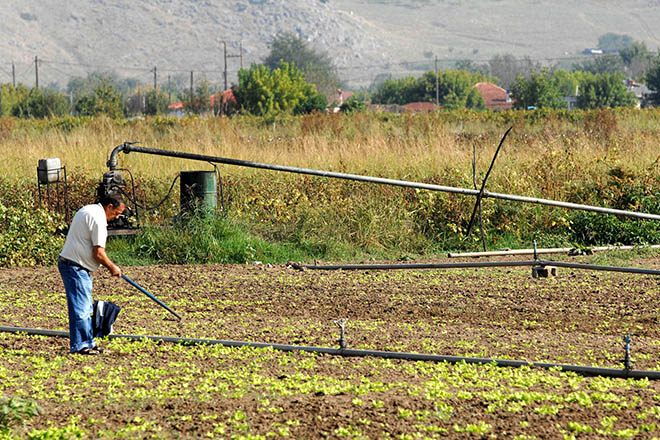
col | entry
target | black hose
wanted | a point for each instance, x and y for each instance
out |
(579, 369)
(146, 208)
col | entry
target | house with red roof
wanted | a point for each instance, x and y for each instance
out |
(496, 98)
(221, 103)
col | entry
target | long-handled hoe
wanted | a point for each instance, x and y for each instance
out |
(160, 303)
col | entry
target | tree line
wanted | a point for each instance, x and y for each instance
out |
(296, 78)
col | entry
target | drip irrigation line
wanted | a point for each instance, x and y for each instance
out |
(128, 147)
(347, 352)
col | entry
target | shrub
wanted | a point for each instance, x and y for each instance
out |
(209, 238)
(28, 236)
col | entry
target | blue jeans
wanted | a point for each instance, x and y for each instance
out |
(78, 286)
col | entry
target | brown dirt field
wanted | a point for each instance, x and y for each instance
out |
(578, 317)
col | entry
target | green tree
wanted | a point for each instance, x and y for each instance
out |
(611, 42)
(201, 102)
(475, 100)
(507, 68)
(103, 99)
(604, 90)
(265, 92)
(540, 90)
(567, 82)
(601, 64)
(353, 104)
(471, 67)
(316, 65)
(636, 59)
(155, 102)
(41, 104)
(11, 96)
(397, 91)
(653, 80)
(454, 90)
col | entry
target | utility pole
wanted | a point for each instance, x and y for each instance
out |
(36, 72)
(13, 74)
(224, 44)
(437, 85)
(191, 88)
(240, 55)
(155, 79)
(169, 91)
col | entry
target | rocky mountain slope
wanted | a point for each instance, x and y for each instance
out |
(364, 37)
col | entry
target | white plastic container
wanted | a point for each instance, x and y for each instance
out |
(49, 170)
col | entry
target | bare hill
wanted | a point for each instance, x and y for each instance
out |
(364, 37)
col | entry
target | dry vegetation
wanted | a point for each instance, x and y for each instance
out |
(603, 157)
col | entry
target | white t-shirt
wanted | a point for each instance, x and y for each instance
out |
(89, 228)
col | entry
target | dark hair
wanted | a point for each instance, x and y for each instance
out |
(111, 199)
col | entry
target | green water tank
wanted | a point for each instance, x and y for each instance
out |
(198, 191)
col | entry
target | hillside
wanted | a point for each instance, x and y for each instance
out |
(363, 37)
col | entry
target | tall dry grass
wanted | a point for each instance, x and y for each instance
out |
(595, 157)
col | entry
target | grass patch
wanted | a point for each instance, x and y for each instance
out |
(210, 239)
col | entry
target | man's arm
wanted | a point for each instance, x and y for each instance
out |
(99, 255)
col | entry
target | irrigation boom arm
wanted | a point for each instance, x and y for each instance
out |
(128, 147)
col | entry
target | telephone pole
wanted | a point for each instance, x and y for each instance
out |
(191, 88)
(36, 72)
(240, 55)
(13, 74)
(437, 86)
(155, 79)
(224, 44)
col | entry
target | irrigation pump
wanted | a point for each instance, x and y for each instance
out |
(113, 184)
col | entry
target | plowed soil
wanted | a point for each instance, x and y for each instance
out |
(577, 317)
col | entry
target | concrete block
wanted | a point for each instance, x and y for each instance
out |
(544, 271)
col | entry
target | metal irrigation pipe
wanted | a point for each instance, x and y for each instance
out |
(579, 369)
(544, 251)
(416, 265)
(128, 147)
(477, 265)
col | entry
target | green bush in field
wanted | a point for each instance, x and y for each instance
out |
(598, 229)
(28, 236)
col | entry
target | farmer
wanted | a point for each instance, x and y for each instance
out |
(82, 254)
